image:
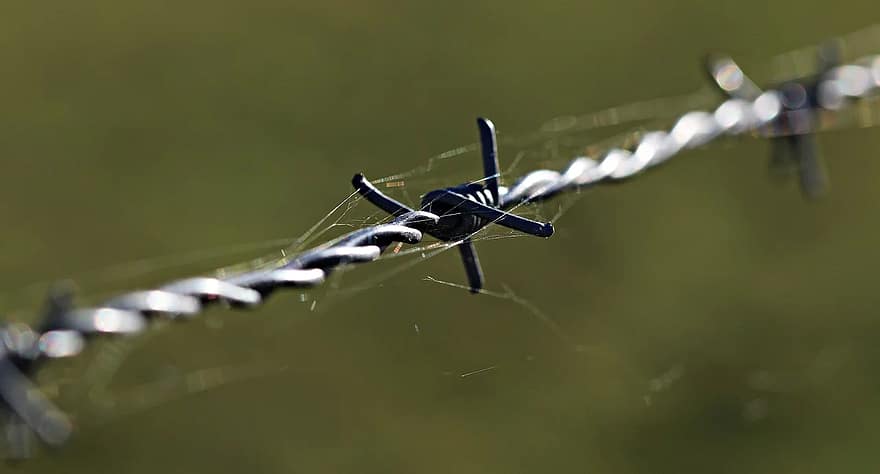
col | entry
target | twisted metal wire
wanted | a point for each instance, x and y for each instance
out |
(65, 329)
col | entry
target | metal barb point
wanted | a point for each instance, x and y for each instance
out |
(489, 147)
(792, 132)
(788, 114)
(463, 210)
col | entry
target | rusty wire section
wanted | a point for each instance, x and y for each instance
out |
(787, 114)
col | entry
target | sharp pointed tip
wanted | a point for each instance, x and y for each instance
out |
(485, 123)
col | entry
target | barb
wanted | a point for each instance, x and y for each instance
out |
(788, 114)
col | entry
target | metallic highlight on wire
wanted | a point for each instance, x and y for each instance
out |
(785, 114)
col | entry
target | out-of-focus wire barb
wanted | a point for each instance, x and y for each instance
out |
(787, 113)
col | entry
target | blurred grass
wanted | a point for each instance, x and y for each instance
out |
(137, 129)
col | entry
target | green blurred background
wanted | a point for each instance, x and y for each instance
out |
(712, 320)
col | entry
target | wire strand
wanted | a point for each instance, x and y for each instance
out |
(786, 114)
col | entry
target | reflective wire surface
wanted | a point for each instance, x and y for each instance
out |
(789, 113)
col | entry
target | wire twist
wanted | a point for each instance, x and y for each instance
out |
(782, 113)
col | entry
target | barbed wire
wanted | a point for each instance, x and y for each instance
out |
(788, 114)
